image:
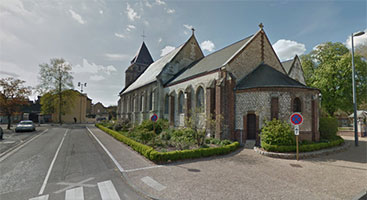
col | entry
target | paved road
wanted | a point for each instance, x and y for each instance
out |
(62, 163)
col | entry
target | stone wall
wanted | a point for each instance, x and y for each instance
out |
(258, 101)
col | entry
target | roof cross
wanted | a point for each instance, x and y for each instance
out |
(261, 26)
(143, 36)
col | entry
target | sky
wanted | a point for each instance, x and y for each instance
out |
(100, 37)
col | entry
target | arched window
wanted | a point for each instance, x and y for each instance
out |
(200, 99)
(180, 102)
(297, 105)
(151, 100)
(166, 104)
(142, 102)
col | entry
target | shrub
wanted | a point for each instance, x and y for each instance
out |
(122, 125)
(276, 132)
(225, 142)
(156, 156)
(183, 138)
(303, 147)
(328, 127)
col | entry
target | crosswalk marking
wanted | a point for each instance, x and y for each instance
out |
(43, 197)
(153, 183)
(75, 194)
(108, 191)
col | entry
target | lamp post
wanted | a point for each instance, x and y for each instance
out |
(354, 90)
(81, 92)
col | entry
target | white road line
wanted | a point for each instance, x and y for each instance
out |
(44, 197)
(74, 194)
(152, 183)
(3, 156)
(108, 153)
(108, 191)
(52, 164)
(143, 168)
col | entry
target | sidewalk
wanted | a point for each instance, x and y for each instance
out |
(245, 174)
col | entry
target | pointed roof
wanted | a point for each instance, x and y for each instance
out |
(142, 56)
(151, 73)
(266, 76)
(213, 61)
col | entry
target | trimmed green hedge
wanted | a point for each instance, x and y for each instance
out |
(156, 156)
(303, 147)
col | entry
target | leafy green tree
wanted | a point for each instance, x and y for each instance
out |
(50, 102)
(328, 68)
(55, 79)
(13, 94)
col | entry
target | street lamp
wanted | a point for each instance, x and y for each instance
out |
(81, 92)
(354, 90)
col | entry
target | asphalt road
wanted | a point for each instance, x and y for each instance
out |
(62, 163)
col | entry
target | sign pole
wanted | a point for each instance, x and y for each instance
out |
(297, 147)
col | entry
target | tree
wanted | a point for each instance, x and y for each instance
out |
(50, 102)
(55, 79)
(12, 96)
(328, 68)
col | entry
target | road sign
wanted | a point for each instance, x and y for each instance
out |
(296, 119)
(296, 130)
(154, 117)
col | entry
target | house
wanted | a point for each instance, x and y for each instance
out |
(99, 110)
(239, 86)
(78, 110)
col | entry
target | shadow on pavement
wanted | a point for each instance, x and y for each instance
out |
(352, 154)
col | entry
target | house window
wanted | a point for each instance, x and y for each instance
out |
(142, 103)
(180, 102)
(274, 108)
(151, 101)
(297, 105)
(166, 104)
(200, 99)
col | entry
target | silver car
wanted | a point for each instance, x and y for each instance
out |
(25, 125)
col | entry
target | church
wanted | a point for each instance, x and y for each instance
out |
(238, 87)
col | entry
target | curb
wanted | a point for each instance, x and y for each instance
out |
(302, 155)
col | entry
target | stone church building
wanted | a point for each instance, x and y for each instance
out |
(238, 87)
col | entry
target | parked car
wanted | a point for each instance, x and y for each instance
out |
(25, 125)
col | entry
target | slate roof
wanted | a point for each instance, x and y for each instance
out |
(287, 65)
(151, 73)
(142, 56)
(266, 76)
(360, 114)
(212, 61)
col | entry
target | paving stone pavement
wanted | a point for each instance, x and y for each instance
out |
(245, 174)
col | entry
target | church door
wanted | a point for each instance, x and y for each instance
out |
(251, 126)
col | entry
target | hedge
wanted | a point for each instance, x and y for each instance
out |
(156, 156)
(303, 147)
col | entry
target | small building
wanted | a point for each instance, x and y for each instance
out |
(99, 111)
(77, 111)
(361, 122)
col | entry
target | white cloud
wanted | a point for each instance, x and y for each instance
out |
(207, 45)
(166, 50)
(97, 78)
(101, 12)
(160, 2)
(113, 56)
(357, 40)
(130, 27)
(170, 11)
(188, 26)
(287, 49)
(146, 23)
(119, 35)
(147, 4)
(160, 40)
(14, 6)
(185, 32)
(131, 14)
(77, 17)
(93, 68)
